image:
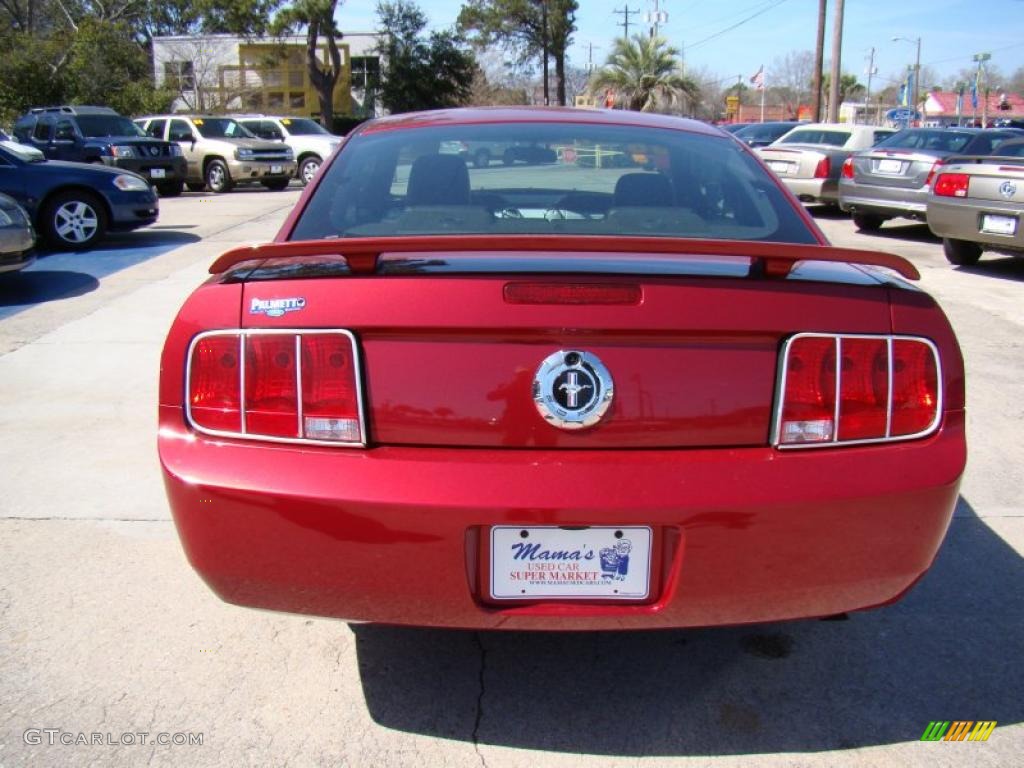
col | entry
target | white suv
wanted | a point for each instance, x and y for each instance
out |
(310, 142)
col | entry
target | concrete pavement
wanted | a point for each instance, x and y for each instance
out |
(104, 628)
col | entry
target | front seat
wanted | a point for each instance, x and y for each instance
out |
(647, 190)
(438, 180)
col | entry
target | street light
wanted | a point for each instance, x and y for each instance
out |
(917, 66)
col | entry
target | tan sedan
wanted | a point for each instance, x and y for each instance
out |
(977, 204)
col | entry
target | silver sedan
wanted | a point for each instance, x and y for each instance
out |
(977, 204)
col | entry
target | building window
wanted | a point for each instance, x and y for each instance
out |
(365, 71)
(180, 75)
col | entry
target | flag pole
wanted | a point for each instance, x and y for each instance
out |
(764, 87)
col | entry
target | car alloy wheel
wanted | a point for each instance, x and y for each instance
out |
(308, 169)
(75, 221)
(217, 177)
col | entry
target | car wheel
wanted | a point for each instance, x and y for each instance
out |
(308, 169)
(217, 177)
(509, 157)
(170, 190)
(482, 158)
(961, 252)
(74, 221)
(276, 184)
(194, 187)
(867, 222)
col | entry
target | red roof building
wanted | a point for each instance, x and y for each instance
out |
(940, 107)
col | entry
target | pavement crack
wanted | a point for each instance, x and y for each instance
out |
(480, 698)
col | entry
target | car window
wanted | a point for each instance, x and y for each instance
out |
(880, 136)
(65, 131)
(829, 138)
(220, 128)
(107, 125)
(557, 178)
(156, 128)
(180, 131)
(42, 130)
(759, 131)
(23, 152)
(917, 138)
(1012, 150)
(301, 126)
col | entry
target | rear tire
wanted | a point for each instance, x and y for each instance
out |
(868, 222)
(74, 221)
(482, 159)
(170, 190)
(276, 184)
(218, 178)
(308, 168)
(961, 252)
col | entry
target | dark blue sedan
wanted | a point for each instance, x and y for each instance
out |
(72, 204)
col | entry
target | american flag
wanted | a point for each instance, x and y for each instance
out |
(758, 79)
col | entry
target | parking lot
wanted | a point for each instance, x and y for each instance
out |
(104, 627)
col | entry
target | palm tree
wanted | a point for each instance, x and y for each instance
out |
(644, 72)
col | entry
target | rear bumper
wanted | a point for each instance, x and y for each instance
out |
(883, 201)
(813, 190)
(399, 535)
(962, 220)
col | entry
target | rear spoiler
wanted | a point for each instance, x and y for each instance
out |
(362, 253)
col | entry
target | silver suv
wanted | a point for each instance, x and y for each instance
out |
(221, 153)
(310, 142)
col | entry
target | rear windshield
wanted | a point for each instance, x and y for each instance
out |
(816, 136)
(916, 138)
(107, 125)
(221, 128)
(548, 178)
(758, 131)
(1012, 150)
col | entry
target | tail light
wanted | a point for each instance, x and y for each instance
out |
(823, 168)
(285, 386)
(936, 167)
(841, 389)
(952, 185)
(847, 168)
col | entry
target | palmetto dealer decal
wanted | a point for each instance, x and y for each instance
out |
(276, 307)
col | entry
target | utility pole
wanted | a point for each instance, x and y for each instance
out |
(624, 12)
(682, 58)
(590, 58)
(544, 35)
(655, 18)
(819, 61)
(872, 71)
(837, 52)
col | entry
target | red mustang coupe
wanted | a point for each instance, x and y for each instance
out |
(580, 391)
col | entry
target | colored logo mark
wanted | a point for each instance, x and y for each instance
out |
(958, 730)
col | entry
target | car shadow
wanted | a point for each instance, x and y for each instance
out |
(22, 289)
(826, 212)
(903, 230)
(996, 265)
(949, 650)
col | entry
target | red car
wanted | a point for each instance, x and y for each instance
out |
(559, 396)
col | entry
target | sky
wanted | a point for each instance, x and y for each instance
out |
(951, 31)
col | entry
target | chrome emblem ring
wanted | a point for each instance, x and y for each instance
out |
(572, 389)
(1007, 189)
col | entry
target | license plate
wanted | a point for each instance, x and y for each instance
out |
(779, 167)
(598, 562)
(276, 169)
(889, 166)
(156, 173)
(998, 225)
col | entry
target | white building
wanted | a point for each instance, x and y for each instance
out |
(216, 73)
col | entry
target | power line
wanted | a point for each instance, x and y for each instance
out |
(737, 24)
(625, 11)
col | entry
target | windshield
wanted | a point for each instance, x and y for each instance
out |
(557, 178)
(23, 152)
(107, 125)
(221, 128)
(300, 126)
(916, 138)
(816, 136)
